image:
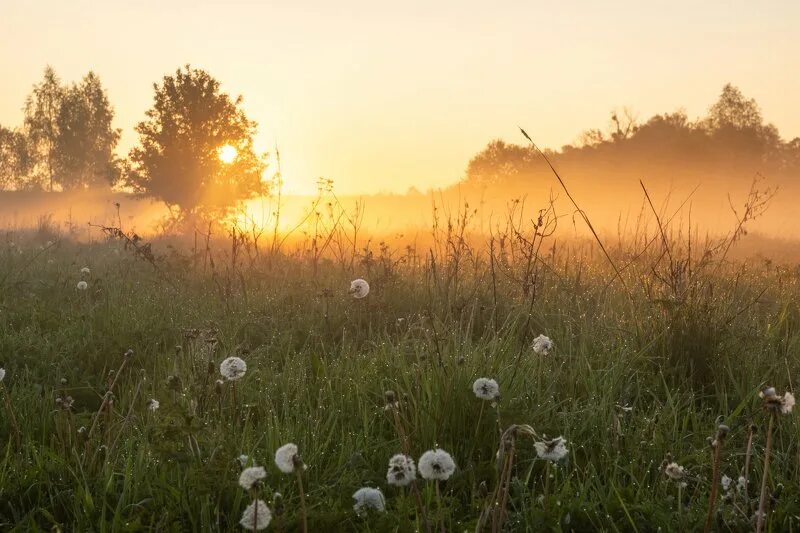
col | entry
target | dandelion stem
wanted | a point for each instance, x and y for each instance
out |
(440, 514)
(712, 500)
(302, 499)
(762, 501)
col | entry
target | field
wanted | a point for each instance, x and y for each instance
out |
(654, 347)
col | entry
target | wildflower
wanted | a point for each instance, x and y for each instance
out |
(551, 450)
(233, 368)
(82, 285)
(256, 516)
(726, 483)
(436, 464)
(359, 288)
(402, 470)
(153, 405)
(367, 498)
(775, 403)
(674, 471)
(251, 476)
(85, 270)
(486, 389)
(542, 345)
(287, 458)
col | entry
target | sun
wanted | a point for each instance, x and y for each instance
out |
(227, 154)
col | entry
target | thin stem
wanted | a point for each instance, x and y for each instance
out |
(748, 456)
(302, 499)
(440, 514)
(762, 502)
(712, 500)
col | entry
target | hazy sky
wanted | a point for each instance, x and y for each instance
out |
(385, 95)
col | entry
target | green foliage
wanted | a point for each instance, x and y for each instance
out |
(177, 159)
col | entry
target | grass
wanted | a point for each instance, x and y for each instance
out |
(637, 373)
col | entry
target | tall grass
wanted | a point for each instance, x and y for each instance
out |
(641, 369)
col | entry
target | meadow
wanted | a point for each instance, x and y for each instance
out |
(660, 344)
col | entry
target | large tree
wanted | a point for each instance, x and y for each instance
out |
(86, 140)
(69, 132)
(41, 126)
(178, 158)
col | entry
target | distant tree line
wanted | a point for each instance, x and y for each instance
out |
(732, 139)
(67, 142)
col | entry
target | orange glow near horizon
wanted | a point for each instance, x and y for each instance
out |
(381, 96)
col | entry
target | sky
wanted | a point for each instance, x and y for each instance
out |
(382, 96)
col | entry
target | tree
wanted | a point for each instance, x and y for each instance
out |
(501, 163)
(85, 140)
(15, 158)
(41, 126)
(178, 157)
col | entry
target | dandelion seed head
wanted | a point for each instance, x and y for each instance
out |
(740, 483)
(542, 345)
(436, 464)
(153, 405)
(486, 389)
(233, 368)
(256, 516)
(287, 459)
(250, 476)
(726, 483)
(402, 470)
(674, 471)
(552, 450)
(85, 270)
(368, 499)
(359, 288)
(82, 285)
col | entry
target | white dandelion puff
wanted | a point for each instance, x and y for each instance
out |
(486, 389)
(542, 345)
(359, 288)
(287, 459)
(153, 405)
(552, 450)
(788, 403)
(674, 471)
(402, 470)
(726, 483)
(775, 403)
(256, 516)
(366, 499)
(82, 285)
(250, 476)
(436, 464)
(740, 484)
(233, 368)
(85, 270)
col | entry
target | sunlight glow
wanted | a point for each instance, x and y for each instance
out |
(227, 154)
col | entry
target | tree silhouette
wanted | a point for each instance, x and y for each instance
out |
(85, 141)
(69, 135)
(178, 157)
(41, 126)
